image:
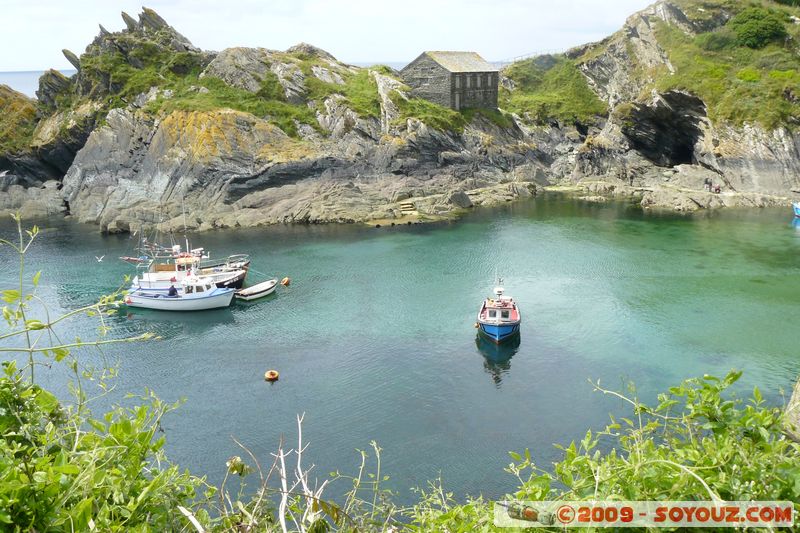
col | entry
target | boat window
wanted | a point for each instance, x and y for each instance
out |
(208, 287)
(189, 289)
(504, 314)
(492, 314)
(200, 288)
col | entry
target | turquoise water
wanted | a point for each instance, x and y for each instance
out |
(374, 338)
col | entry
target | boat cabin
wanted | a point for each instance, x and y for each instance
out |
(195, 285)
(500, 309)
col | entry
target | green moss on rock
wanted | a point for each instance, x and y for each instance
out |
(17, 121)
(550, 87)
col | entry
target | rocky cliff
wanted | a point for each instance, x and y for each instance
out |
(247, 136)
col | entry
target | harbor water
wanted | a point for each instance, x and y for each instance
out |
(374, 339)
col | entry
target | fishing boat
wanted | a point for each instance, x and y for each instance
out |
(499, 317)
(198, 294)
(159, 276)
(796, 207)
(258, 290)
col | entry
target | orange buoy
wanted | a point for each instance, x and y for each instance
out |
(271, 375)
(285, 282)
(476, 325)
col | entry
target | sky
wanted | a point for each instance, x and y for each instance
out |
(34, 32)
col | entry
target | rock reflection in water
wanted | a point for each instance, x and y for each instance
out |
(497, 357)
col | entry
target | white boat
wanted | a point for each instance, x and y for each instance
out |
(197, 294)
(160, 276)
(258, 290)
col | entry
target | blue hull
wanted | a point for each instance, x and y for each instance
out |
(499, 333)
(796, 210)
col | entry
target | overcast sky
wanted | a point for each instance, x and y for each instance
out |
(34, 31)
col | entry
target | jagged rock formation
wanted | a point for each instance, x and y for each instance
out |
(252, 136)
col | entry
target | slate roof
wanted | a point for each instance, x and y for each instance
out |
(461, 61)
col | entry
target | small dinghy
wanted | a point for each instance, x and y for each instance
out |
(499, 318)
(257, 291)
(796, 207)
(198, 294)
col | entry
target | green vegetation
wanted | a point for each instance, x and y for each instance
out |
(209, 94)
(443, 118)
(737, 83)
(756, 27)
(550, 87)
(64, 469)
(495, 116)
(17, 122)
(359, 90)
(434, 115)
(179, 73)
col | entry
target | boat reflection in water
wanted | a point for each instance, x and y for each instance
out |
(497, 357)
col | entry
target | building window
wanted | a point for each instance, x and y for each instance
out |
(458, 81)
(478, 78)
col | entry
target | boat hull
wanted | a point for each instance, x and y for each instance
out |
(236, 282)
(498, 333)
(796, 207)
(257, 291)
(149, 300)
(162, 281)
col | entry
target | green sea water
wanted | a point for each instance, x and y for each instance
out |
(374, 338)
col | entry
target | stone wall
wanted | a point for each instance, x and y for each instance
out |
(475, 89)
(428, 80)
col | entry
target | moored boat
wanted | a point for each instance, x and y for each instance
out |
(796, 207)
(258, 290)
(499, 318)
(161, 275)
(198, 294)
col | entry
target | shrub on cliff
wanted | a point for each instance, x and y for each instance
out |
(755, 27)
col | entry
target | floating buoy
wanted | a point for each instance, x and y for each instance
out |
(271, 375)
(476, 325)
(285, 282)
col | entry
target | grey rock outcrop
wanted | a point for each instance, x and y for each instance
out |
(51, 84)
(72, 58)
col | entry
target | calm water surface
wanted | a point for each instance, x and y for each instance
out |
(374, 339)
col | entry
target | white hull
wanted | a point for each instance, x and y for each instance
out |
(186, 302)
(164, 280)
(257, 291)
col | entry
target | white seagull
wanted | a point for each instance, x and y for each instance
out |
(99, 259)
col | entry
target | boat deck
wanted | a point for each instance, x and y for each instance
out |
(505, 310)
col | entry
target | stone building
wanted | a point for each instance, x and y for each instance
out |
(456, 80)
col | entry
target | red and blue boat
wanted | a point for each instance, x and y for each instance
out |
(499, 317)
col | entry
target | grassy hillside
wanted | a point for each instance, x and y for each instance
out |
(746, 70)
(550, 87)
(744, 66)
